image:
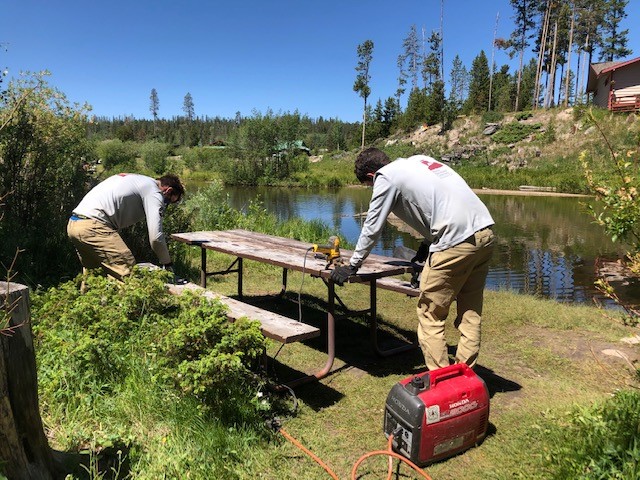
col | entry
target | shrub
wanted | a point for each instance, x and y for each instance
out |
(492, 116)
(523, 115)
(116, 153)
(155, 155)
(598, 442)
(43, 149)
(209, 209)
(89, 344)
(514, 132)
(204, 158)
(207, 356)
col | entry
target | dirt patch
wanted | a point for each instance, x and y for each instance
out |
(580, 347)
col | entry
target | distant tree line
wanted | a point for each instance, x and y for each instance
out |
(317, 134)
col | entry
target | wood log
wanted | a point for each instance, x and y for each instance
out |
(24, 450)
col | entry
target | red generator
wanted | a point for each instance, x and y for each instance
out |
(437, 414)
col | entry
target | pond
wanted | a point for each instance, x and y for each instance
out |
(546, 246)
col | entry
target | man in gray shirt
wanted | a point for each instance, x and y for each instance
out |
(119, 202)
(458, 241)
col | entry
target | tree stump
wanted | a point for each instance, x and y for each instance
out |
(24, 450)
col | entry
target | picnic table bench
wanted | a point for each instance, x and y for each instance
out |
(273, 325)
(398, 285)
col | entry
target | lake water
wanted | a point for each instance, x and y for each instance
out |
(546, 246)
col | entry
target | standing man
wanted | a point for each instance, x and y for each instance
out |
(458, 243)
(119, 202)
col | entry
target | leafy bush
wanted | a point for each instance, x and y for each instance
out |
(85, 340)
(43, 149)
(492, 116)
(598, 442)
(208, 356)
(155, 155)
(617, 189)
(116, 153)
(89, 344)
(210, 209)
(204, 158)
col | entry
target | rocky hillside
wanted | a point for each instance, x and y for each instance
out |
(516, 140)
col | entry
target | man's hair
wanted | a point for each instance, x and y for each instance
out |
(369, 161)
(174, 182)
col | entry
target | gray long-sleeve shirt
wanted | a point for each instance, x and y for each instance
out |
(430, 197)
(125, 199)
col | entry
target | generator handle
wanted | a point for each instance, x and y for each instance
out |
(443, 373)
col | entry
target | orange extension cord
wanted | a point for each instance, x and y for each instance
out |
(389, 452)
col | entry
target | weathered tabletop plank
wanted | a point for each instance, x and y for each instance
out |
(287, 253)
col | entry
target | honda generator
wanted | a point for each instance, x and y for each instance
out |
(437, 414)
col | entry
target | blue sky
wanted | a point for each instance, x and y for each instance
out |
(241, 56)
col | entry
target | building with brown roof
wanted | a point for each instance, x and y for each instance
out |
(615, 85)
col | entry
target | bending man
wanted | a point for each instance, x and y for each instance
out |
(458, 244)
(119, 202)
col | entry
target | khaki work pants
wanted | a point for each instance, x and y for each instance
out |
(458, 273)
(100, 246)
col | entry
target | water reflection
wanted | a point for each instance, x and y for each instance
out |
(546, 246)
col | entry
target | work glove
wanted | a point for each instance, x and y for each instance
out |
(422, 254)
(168, 266)
(340, 274)
(175, 279)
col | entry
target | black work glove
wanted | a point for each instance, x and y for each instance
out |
(340, 274)
(421, 254)
(175, 280)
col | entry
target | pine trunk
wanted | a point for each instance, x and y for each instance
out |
(566, 80)
(541, 54)
(24, 450)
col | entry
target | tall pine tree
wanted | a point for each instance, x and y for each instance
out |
(187, 107)
(614, 40)
(524, 19)
(361, 84)
(478, 99)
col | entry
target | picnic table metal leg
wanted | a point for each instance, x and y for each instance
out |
(284, 281)
(203, 267)
(331, 342)
(240, 277)
(374, 327)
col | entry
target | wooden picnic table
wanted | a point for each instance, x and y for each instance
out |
(298, 256)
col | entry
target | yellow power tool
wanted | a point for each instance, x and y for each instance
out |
(331, 251)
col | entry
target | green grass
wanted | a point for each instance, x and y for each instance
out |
(538, 356)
